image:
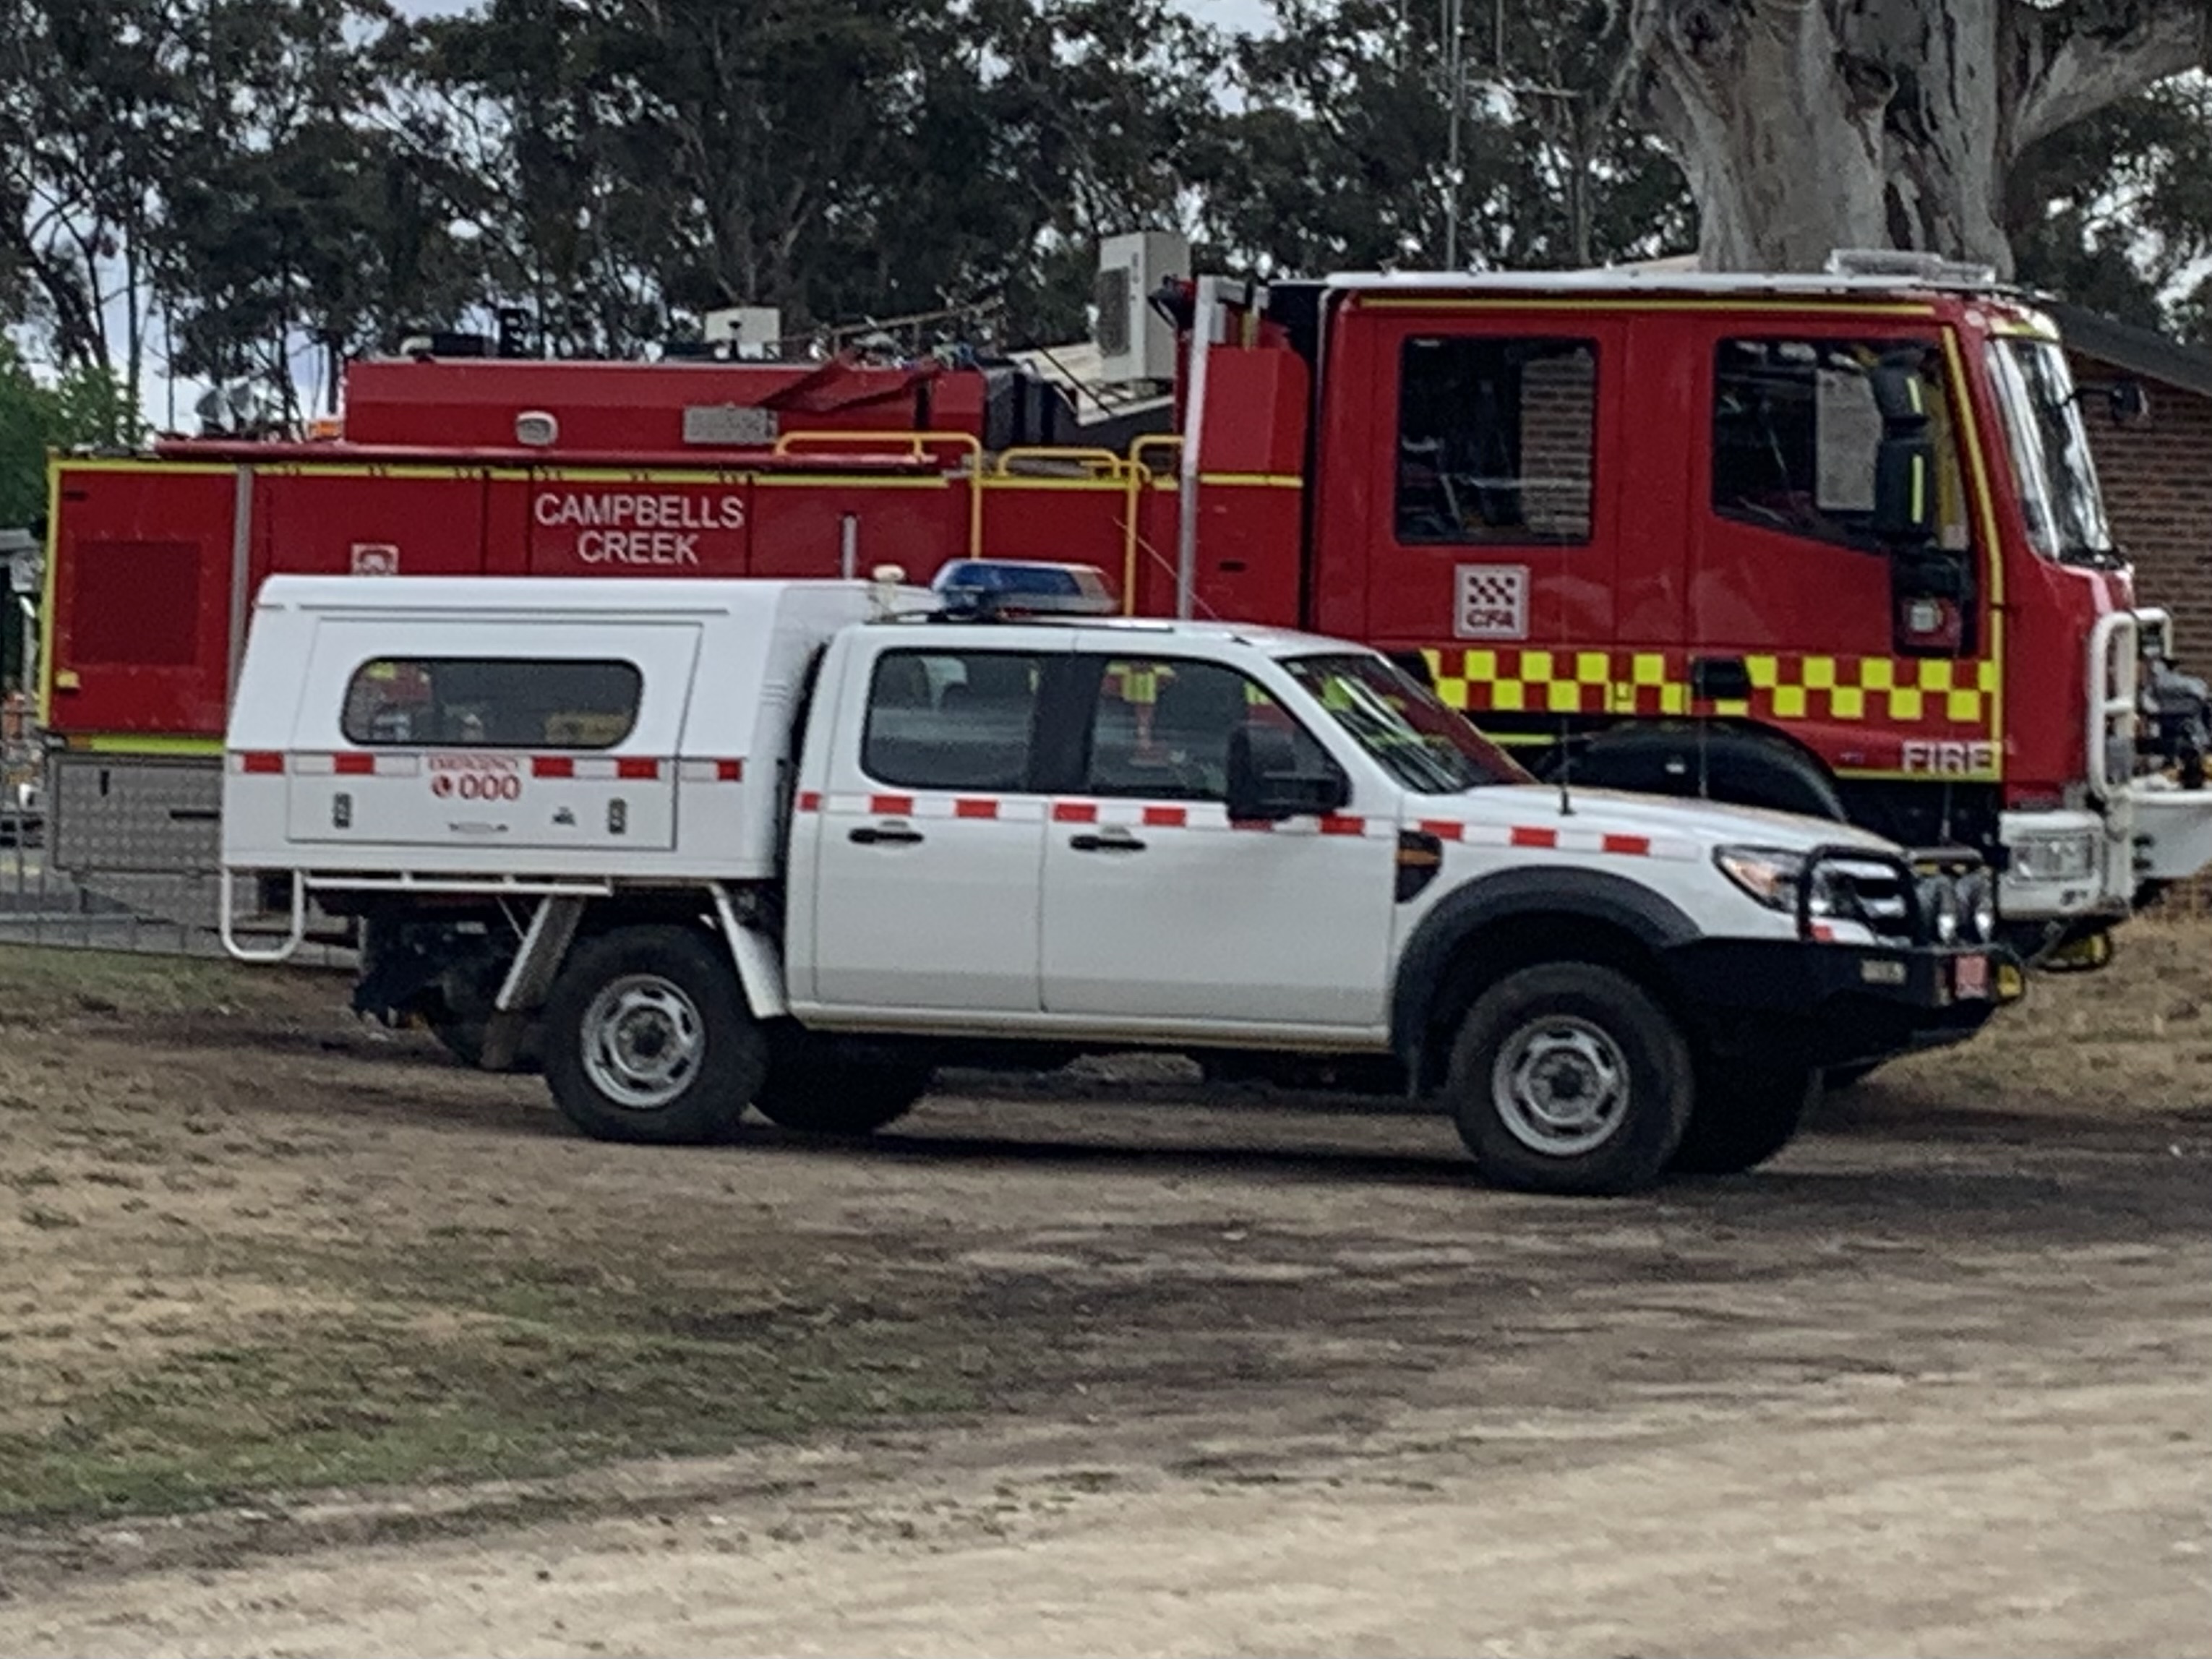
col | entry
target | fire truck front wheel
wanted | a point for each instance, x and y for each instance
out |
(648, 1038)
(1744, 1115)
(821, 1086)
(1569, 1078)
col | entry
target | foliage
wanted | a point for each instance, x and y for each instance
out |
(257, 189)
(86, 406)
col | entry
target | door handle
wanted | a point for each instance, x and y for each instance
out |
(868, 836)
(1715, 679)
(1106, 843)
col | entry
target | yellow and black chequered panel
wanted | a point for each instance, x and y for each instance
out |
(1889, 690)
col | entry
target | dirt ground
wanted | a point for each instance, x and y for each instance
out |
(315, 1345)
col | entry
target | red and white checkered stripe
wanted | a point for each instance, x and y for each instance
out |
(1212, 816)
(356, 763)
(597, 769)
(1551, 839)
(1113, 814)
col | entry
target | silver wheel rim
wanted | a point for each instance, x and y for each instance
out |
(643, 1041)
(1560, 1086)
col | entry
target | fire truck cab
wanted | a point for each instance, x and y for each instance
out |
(1832, 544)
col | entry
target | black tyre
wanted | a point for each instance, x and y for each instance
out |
(464, 1039)
(648, 1038)
(1744, 1115)
(816, 1089)
(1840, 1077)
(1568, 1077)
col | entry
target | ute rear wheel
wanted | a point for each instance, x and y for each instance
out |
(1568, 1077)
(1744, 1115)
(648, 1038)
(814, 1088)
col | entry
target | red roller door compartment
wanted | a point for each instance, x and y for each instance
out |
(140, 632)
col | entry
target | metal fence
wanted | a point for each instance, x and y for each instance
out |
(41, 905)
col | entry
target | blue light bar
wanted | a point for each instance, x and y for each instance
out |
(1025, 586)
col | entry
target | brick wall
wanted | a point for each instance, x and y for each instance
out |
(2158, 489)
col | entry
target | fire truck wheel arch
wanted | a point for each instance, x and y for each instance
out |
(1740, 769)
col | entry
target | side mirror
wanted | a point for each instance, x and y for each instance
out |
(2130, 402)
(1905, 490)
(1265, 784)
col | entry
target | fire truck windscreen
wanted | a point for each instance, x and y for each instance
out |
(1398, 720)
(2050, 446)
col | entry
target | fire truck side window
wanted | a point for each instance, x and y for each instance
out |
(488, 702)
(1796, 431)
(1162, 729)
(1496, 437)
(951, 719)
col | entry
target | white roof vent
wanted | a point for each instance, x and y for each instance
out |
(1909, 265)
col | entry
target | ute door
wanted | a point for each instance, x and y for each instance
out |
(927, 840)
(1158, 912)
(463, 734)
(1494, 526)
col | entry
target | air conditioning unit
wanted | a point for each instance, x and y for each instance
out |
(1135, 343)
(750, 332)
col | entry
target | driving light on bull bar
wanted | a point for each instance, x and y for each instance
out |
(1939, 904)
(1978, 908)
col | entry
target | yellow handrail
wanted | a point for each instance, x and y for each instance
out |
(1138, 476)
(1105, 461)
(918, 445)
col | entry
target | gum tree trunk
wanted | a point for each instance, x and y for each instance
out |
(1807, 126)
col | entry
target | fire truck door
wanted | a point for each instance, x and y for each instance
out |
(1498, 526)
(1783, 559)
(443, 734)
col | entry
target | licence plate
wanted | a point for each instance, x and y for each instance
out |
(1970, 978)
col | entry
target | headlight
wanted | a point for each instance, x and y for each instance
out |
(1767, 874)
(1978, 908)
(2071, 856)
(1939, 905)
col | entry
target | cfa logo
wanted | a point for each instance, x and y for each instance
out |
(1924, 757)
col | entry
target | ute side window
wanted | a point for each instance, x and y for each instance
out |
(1796, 431)
(951, 719)
(1497, 440)
(491, 702)
(1161, 729)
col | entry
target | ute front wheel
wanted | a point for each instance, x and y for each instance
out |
(1568, 1077)
(648, 1039)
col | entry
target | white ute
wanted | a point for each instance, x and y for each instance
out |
(695, 846)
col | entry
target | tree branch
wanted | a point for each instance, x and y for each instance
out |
(2068, 61)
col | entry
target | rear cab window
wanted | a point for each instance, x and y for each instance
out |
(952, 719)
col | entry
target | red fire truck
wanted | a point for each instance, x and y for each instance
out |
(1827, 543)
